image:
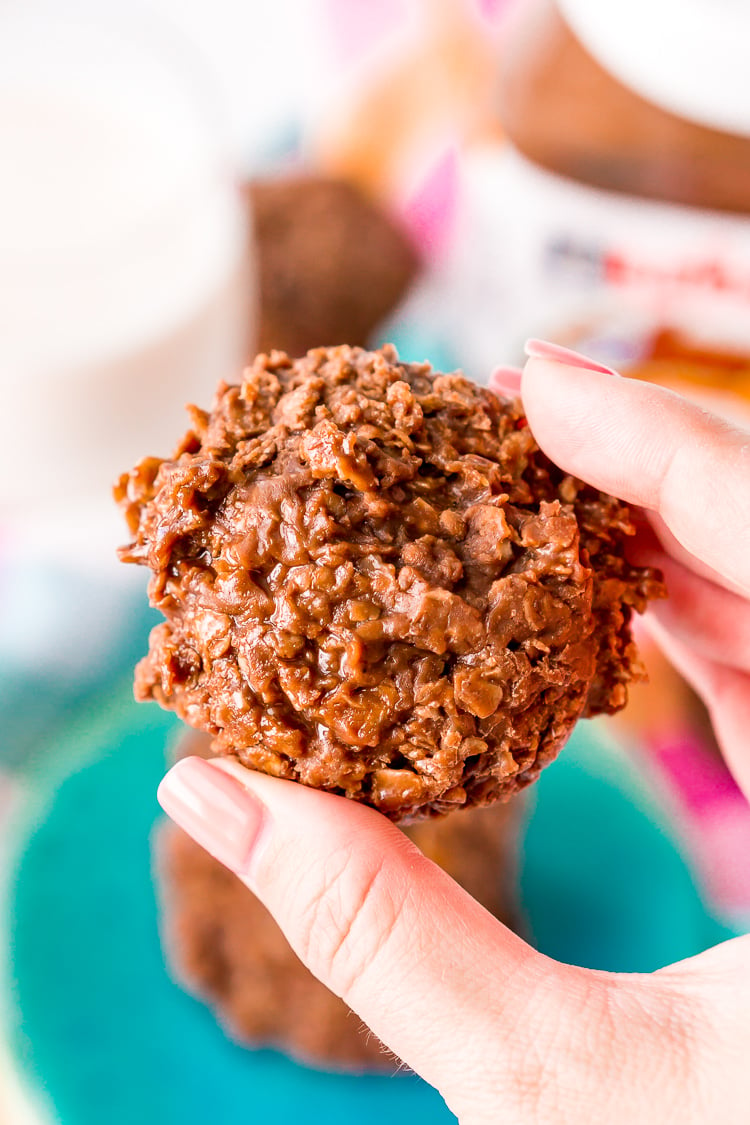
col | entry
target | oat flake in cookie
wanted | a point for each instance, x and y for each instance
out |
(375, 583)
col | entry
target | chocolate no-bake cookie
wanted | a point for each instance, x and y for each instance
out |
(374, 582)
(224, 946)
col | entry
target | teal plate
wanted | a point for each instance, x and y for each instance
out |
(100, 1031)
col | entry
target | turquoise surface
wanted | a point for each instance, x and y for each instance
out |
(99, 1026)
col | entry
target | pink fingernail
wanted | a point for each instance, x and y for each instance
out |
(214, 808)
(542, 349)
(506, 379)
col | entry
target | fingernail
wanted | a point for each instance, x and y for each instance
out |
(506, 379)
(214, 808)
(542, 349)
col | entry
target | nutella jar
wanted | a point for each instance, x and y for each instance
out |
(617, 216)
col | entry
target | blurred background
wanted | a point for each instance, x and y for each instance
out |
(183, 184)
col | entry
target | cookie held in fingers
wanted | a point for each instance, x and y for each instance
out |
(374, 582)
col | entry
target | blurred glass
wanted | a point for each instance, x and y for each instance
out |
(123, 249)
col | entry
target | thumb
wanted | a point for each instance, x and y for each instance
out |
(650, 447)
(447, 987)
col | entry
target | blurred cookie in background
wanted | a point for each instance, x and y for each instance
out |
(331, 264)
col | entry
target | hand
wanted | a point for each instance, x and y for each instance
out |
(506, 1034)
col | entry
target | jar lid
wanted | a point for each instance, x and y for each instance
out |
(691, 57)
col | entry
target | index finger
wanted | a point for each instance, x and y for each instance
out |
(651, 447)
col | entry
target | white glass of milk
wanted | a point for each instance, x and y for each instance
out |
(124, 254)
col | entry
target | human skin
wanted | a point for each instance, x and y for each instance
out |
(503, 1032)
